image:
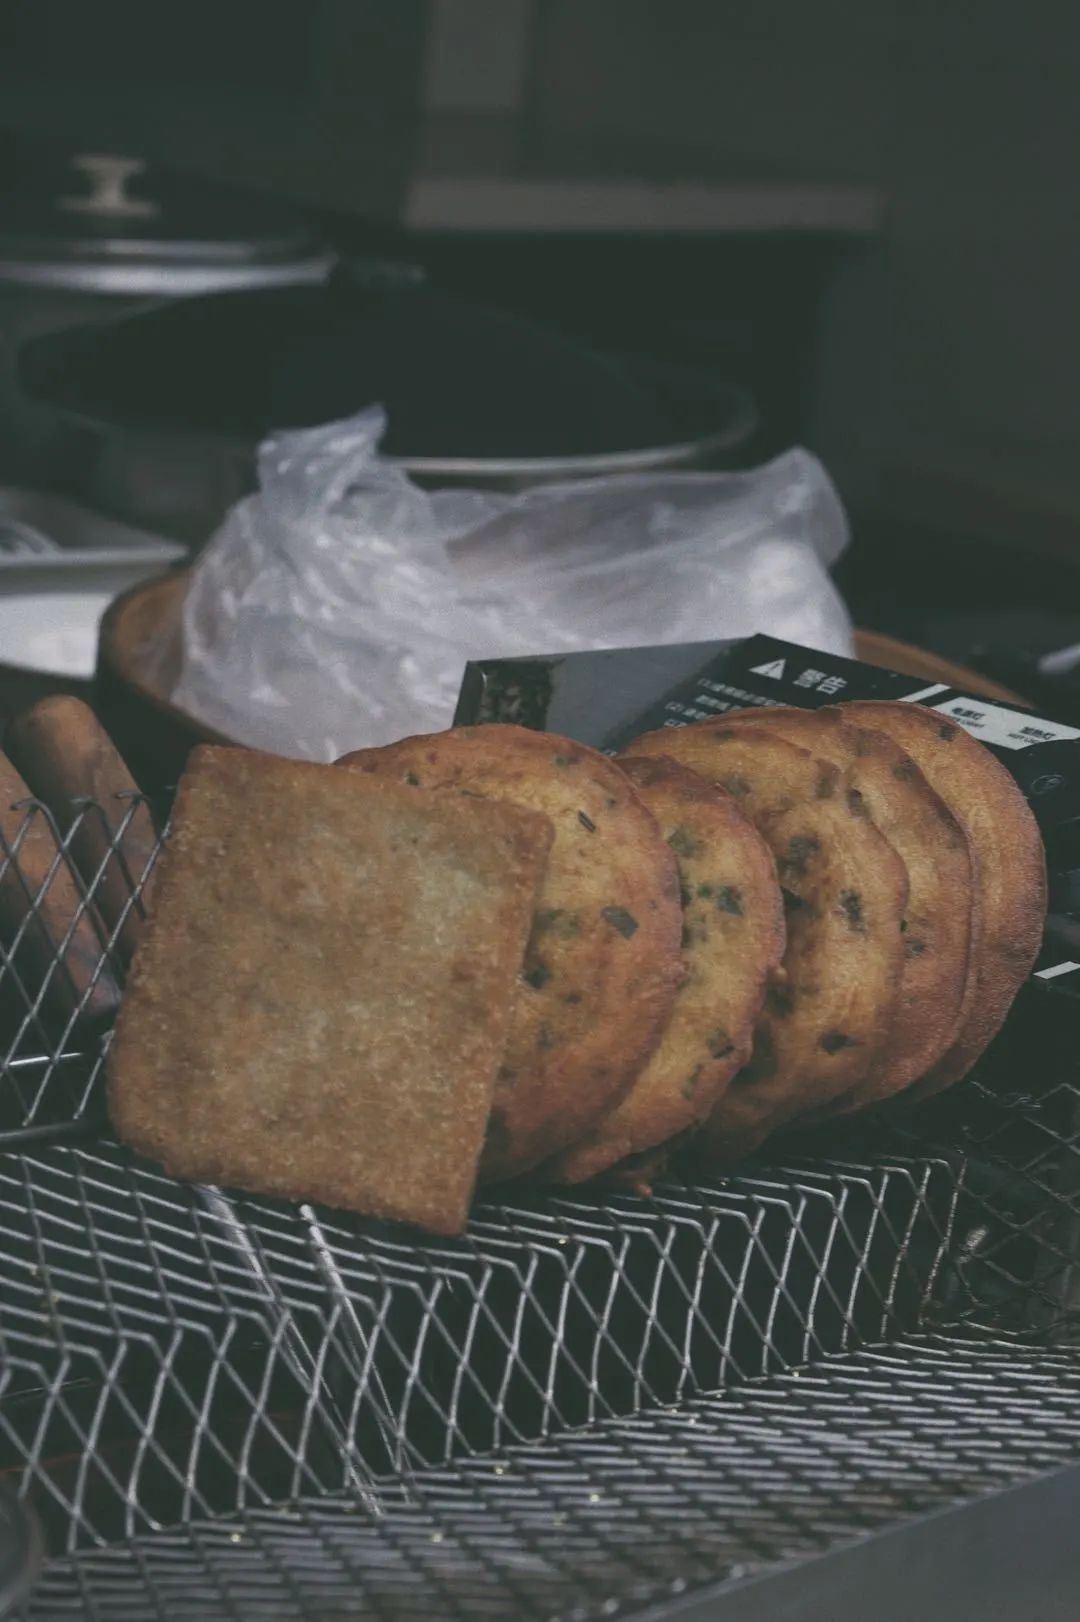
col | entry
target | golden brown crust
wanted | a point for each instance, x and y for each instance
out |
(320, 1005)
(733, 940)
(824, 1030)
(1009, 859)
(603, 963)
(935, 850)
(762, 774)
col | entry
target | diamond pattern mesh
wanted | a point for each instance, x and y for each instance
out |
(244, 1408)
(602, 1521)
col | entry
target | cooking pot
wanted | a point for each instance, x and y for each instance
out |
(87, 236)
(157, 415)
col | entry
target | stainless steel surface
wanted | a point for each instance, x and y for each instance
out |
(58, 536)
(60, 567)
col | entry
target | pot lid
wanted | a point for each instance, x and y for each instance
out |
(113, 223)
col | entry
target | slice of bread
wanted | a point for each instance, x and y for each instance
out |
(825, 1028)
(321, 1002)
(1009, 859)
(733, 940)
(603, 963)
(941, 886)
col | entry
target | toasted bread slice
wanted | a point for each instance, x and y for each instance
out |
(935, 851)
(1009, 859)
(603, 963)
(825, 1029)
(733, 940)
(321, 1003)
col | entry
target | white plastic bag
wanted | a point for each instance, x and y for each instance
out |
(337, 606)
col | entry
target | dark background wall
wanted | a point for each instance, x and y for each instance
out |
(959, 337)
(954, 342)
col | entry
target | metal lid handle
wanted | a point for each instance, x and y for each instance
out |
(108, 177)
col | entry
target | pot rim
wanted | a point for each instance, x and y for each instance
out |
(156, 279)
(743, 419)
(609, 462)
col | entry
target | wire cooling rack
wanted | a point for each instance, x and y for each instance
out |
(587, 1405)
(61, 962)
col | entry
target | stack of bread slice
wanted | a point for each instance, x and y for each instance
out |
(774, 917)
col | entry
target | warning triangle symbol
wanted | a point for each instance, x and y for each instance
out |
(775, 668)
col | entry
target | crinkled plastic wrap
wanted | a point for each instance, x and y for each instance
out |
(337, 606)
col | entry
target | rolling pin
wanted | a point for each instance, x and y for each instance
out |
(66, 756)
(75, 977)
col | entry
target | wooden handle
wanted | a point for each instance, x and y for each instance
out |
(67, 757)
(52, 950)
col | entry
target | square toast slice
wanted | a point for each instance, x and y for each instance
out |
(320, 1006)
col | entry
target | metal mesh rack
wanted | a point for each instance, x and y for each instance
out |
(239, 1407)
(60, 961)
(603, 1521)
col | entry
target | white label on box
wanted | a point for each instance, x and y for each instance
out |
(925, 692)
(1009, 729)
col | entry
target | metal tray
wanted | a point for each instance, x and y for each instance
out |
(735, 1398)
(60, 567)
